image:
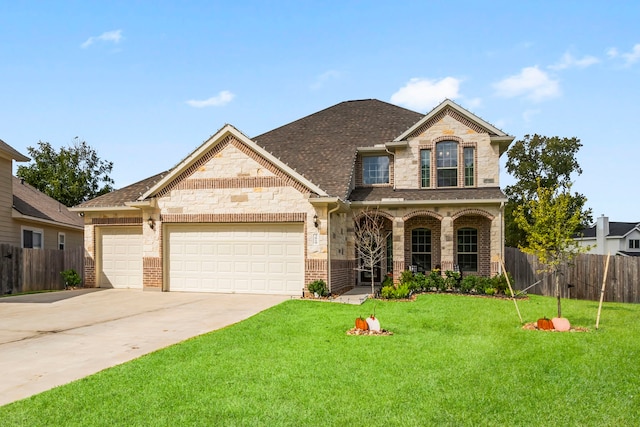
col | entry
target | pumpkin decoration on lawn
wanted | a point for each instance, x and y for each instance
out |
(361, 324)
(545, 324)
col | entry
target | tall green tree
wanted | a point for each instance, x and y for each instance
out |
(549, 221)
(71, 176)
(546, 162)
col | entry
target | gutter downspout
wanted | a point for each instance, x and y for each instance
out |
(329, 244)
(393, 155)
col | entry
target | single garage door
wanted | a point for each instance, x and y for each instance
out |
(121, 257)
(242, 258)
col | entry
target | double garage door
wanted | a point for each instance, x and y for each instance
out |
(242, 258)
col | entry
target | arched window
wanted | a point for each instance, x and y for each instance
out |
(468, 249)
(447, 163)
(421, 249)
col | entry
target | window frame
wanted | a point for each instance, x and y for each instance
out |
(427, 253)
(469, 169)
(376, 175)
(62, 241)
(634, 243)
(467, 251)
(33, 231)
(425, 169)
(447, 165)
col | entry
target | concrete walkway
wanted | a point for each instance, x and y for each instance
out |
(356, 296)
(51, 339)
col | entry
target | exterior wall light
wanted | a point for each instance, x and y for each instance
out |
(151, 223)
(315, 220)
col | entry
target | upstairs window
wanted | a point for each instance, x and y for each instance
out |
(375, 170)
(425, 168)
(447, 163)
(469, 166)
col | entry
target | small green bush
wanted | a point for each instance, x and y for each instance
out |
(435, 280)
(391, 292)
(452, 280)
(318, 287)
(388, 281)
(71, 278)
(499, 282)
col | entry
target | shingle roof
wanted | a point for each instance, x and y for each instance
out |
(119, 197)
(322, 146)
(377, 194)
(33, 203)
(616, 229)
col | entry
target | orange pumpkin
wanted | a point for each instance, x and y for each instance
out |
(545, 324)
(361, 324)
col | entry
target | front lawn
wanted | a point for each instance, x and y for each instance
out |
(452, 360)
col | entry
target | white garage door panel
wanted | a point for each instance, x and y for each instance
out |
(121, 258)
(246, 258)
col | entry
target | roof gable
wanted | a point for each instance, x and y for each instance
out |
(8, 152)
(208, 150)
(450, 108)
(323, 146)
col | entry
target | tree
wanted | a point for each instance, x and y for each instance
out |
(71, 176)
(371, 240)
(547, 162)
(549, 221)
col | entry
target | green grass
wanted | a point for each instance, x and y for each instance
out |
(452, 360)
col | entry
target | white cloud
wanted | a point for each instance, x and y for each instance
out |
(325, 77)
(568, 61)
(528, 115)
(612, 52)
(109, 36)
(222, 99)
(424, 94)
(633, 56)
(531, 83)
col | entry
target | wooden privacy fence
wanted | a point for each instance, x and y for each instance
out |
(581, 279)
(26, 270)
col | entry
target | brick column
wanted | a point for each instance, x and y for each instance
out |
(447, 240)
(398, 249)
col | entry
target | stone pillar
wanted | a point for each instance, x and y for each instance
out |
(447, 241)
(398, 249)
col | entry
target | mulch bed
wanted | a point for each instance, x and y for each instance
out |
(356, 331)
(534, 327)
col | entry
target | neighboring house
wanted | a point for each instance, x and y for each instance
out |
(615, 238)
(273, 213)
(30, 218)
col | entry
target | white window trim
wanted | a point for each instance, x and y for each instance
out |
(33, 230)
(64, 240)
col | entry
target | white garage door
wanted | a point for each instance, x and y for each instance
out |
(242, 258)
(121, 260)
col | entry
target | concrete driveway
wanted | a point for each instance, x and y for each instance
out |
(51, 339)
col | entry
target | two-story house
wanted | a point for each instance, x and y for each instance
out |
(609, 237)
(272, 213)
(30, 218)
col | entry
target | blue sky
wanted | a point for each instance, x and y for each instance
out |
(144, 83)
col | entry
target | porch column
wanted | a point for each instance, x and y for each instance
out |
(496, 249)
(398, 249)
(447, 240)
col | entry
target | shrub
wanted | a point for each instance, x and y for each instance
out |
(318, 287)
(406, 277)
(499, 282)
(452, 279)
(71, 278)
(388, 281)
(469, 283)
(418, 283)
(391, 292)
(435, 280)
